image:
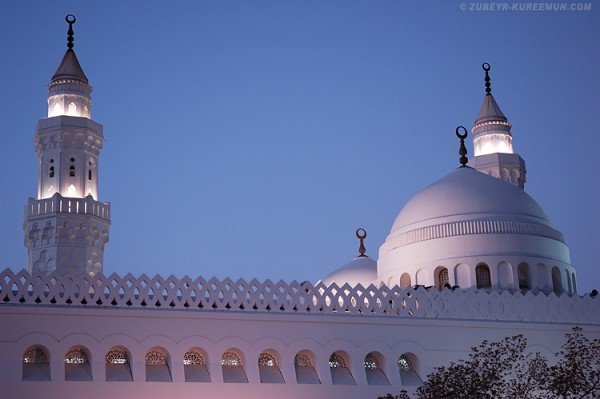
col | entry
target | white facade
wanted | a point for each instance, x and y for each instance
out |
(470, 258)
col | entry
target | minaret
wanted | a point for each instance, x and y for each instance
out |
(492, 141)
(66, 227)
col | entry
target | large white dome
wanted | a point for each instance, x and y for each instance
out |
(467, 192)
(467, 219)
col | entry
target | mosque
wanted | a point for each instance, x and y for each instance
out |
(470, 257)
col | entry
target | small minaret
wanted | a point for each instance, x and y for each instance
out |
(66, 227)
(492, 141)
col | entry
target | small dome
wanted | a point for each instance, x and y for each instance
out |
(465, 193)
(360, 270)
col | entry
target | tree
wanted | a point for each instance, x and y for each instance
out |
(577, 372)
(503, 370)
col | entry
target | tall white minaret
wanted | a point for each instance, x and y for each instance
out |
(66, 227)
(492, 141)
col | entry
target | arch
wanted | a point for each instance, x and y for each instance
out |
(339, 365)
(441, 277)
(569, 283)
(407, 367)
(541, 276)
(118, 365)
(374, 370)
(77, 364)
(268, 367)
(505, 275)
(482, 276)
(423, 278)
(157, 365)
(557, 285)
(72, 109)
(233, 367)
(195, 365)
(574, 283)
(462, 275)
(35, 364)
(305, 370)
(405, 280)
(525, 280)
(390, 282)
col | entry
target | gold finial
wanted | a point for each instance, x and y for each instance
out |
(488, 86)
(361, 234)
(70, 18)
(461, 133)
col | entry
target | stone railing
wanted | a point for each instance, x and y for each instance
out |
(58, 203)
(114, 291)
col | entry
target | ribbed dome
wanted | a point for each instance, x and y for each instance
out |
(360, 270)
(463, 194)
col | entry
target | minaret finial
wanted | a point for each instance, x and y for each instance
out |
(488, 86)
(70, 18)
(463, 150)
(361, 234)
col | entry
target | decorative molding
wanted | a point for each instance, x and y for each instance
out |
(213, 295)
(453, 229)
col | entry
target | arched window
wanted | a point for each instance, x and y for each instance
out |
(373, 370)
(268, 369)
(51, 173)
(340, 372)
(72, 109)
(462, 275)
(77, 365)
(36, 365)
(90, 175)
(305, 371)
(117, 365)
(194, 366)
(557, 285)
(524, 277)
(157, 365)
(233, 369)
(408, 375)
(441, 278)
(72, 171)
(405, 280)
(482, 276)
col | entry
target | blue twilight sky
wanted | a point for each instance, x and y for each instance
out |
(251, 138)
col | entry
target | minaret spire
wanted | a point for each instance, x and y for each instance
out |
(361, 234)
(70, 18)
(492, 140)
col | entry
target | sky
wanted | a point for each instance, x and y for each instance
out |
(251, 138)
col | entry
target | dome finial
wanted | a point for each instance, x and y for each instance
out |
(463, 150)
(488, 86)
(70, 18)
(361, 234)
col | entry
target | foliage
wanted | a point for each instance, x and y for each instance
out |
(577, 374)
(504, 369)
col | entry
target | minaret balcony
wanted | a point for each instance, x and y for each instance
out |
(59, 204)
